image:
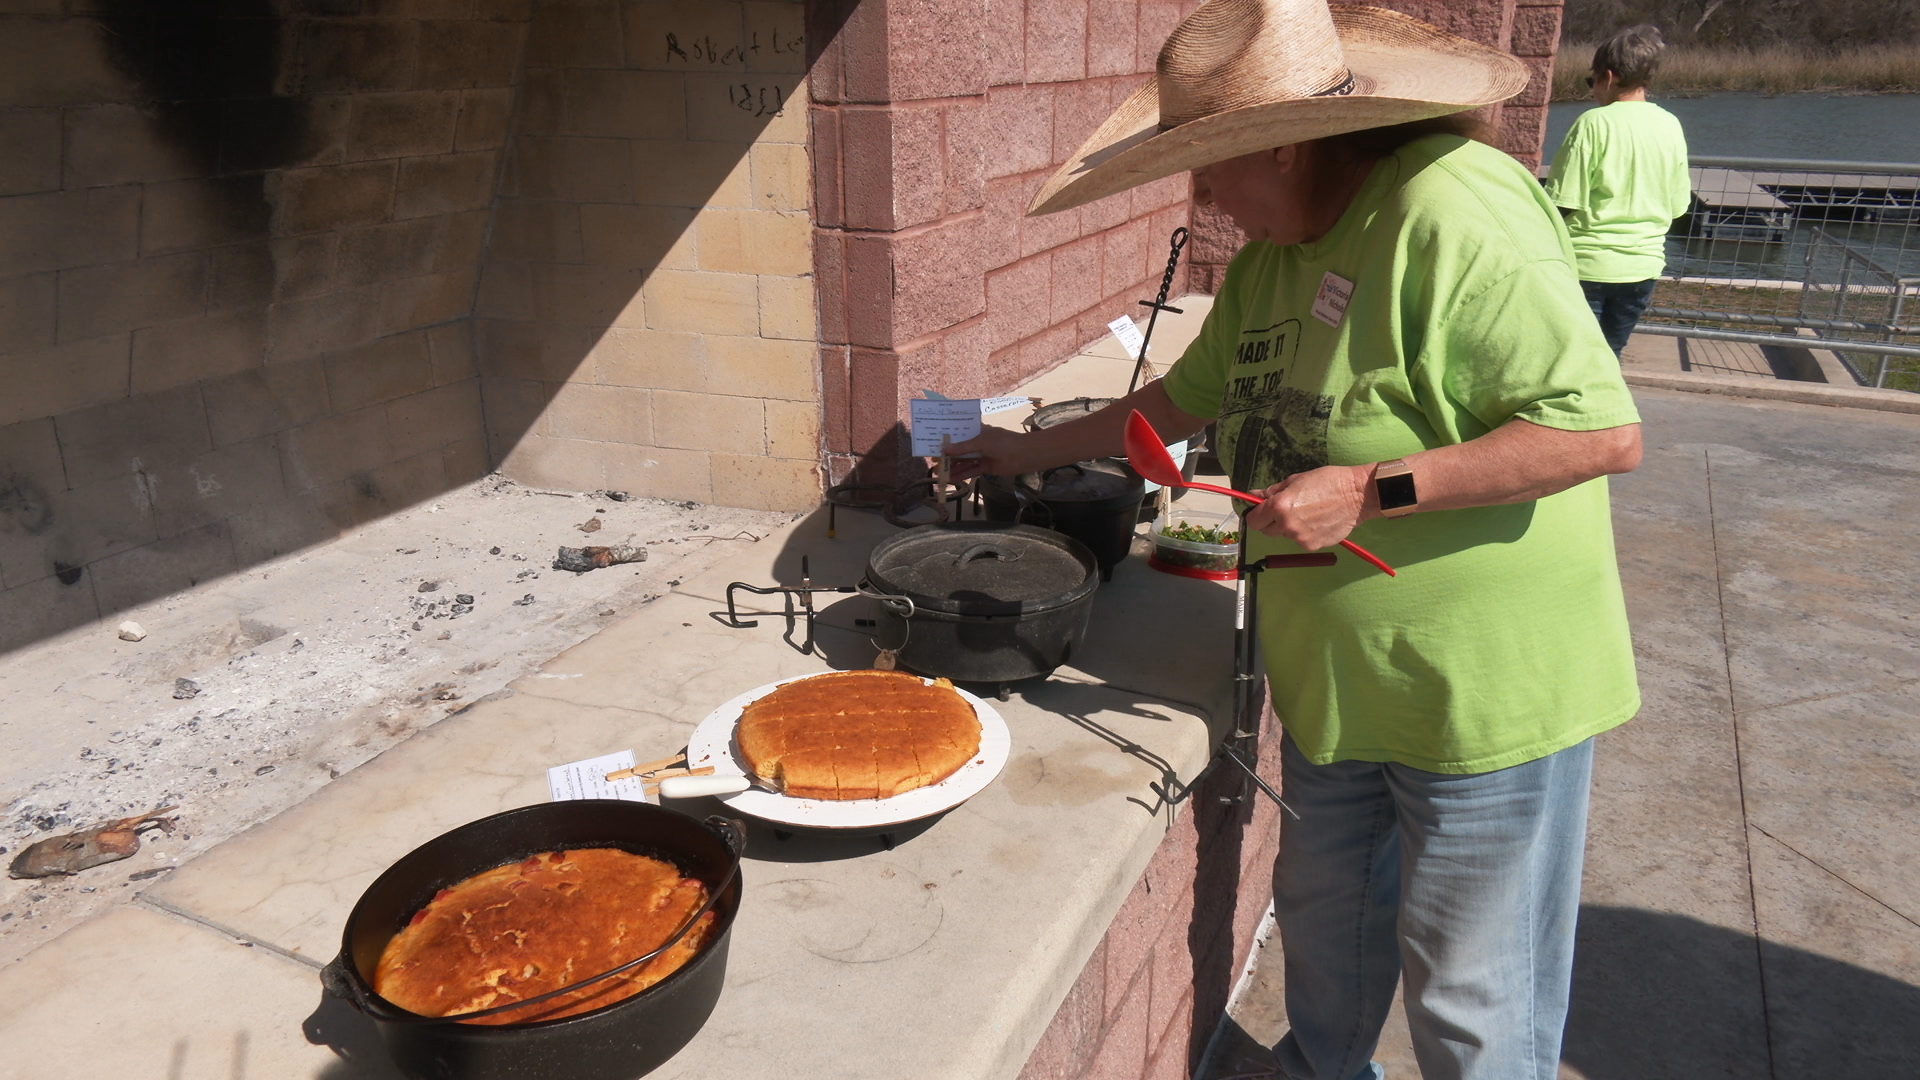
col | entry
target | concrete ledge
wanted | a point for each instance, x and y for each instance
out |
(1851, 397)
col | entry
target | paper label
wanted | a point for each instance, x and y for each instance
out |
(1330, 306)
(588, 780)
(1129, 335)
(936, 419)
(989, 406)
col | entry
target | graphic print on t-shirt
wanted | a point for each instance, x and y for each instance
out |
(1269, 430)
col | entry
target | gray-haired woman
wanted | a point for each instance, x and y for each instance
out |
(1402, 355)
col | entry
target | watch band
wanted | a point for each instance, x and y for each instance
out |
(1393, 484)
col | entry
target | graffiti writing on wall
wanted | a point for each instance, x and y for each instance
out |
(704, 50)
(761, 100)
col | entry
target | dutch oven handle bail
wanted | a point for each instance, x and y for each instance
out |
(986, 550)
(1025, 498)
(334, 978)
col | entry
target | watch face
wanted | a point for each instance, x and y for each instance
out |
(1396, 491)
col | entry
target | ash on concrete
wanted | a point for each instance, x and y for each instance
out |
(307, 666)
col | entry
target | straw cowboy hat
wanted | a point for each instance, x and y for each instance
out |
(1244, 75)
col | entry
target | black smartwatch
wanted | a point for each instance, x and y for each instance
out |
(1393, 483)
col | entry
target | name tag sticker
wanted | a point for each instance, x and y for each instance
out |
(1330, 305)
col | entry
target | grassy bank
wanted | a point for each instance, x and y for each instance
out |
(1691, 71)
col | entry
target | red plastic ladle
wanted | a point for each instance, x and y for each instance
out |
(1148, 455)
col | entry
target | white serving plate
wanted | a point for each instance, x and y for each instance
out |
(712, 744)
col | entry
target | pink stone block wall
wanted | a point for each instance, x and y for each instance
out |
(1148, 999)
(933, 123)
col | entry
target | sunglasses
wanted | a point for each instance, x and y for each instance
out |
(1589, 82)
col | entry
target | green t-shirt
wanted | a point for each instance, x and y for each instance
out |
(1504, 638)
(1622, 170)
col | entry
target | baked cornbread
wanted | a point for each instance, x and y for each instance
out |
(534, 926)
(858, 734)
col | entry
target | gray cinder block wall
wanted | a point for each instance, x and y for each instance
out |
(241, 250)
(239, 243)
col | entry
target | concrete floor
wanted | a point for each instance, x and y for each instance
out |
(1752, 903)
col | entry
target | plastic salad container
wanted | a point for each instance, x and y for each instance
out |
(1197, 545)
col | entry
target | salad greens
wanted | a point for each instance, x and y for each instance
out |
(1200, 534)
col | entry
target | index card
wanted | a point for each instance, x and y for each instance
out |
(588, 779)
(1130, 337)
(935, 420)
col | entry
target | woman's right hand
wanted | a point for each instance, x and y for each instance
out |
(994, 452)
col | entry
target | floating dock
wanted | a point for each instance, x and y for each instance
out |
(1733, 205)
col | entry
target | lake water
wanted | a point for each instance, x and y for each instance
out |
(1862, 127)
(1818, 127)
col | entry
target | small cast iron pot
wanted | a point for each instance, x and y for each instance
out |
(990, 602)
(619, 1041)
(1095, 502)
(1061, 412)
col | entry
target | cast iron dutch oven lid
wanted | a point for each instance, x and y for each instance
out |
(984, 568)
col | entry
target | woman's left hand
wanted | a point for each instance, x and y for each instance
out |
(1317, 508)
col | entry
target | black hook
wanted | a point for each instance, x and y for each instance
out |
(1159, 304)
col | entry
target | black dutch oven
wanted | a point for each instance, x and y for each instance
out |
(983, 601)
(1095, 502)
(619, 1041)
(1061, 412)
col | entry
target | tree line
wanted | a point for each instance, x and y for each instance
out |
(1821, 25)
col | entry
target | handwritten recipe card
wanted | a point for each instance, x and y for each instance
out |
(935, 419)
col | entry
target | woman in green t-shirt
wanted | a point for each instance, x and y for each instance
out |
(1406, 310)
(1620, 179)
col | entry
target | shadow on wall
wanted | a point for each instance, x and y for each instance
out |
(238, 248)
(241, 251)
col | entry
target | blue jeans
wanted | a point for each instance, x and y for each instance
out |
(1618, 305)
(1470, 884)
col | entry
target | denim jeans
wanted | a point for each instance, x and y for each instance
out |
(1618, 305)
(1470, 884)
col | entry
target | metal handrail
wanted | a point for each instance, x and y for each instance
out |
(1838, 168)
(1809, 322)
(1735, 283)
(1754, 338)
